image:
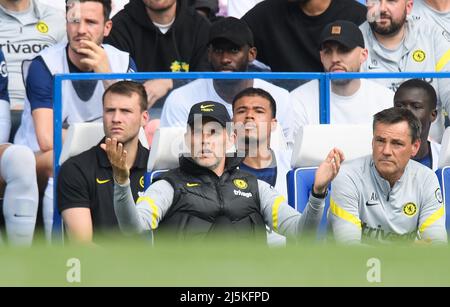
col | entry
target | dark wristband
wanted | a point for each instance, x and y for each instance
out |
(321, 196)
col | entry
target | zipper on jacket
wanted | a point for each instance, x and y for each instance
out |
(221, 203)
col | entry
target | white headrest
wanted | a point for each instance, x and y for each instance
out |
(314, 142)
(82, 136)
(277, 139)
(444, 155)
(143, 138)
(167, 145)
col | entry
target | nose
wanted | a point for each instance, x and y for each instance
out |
(249, 114)
(386, 151)
(116, 118)
(205, 137)
(335, 58)
(81, 27)
(383, 5)
(225, 58)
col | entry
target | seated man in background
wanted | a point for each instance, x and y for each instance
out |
(231, 49)
(209, 195)
(287, 33)
(387, 197)
(352, 101)
(420, 98)
(85, 182)
(398, 42)
(254, 118)
(161, 36)
(28, 27)
(87, 24)
(17, 176)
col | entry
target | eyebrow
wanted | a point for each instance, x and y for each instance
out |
(254, 107)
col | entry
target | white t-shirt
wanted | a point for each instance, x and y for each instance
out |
(178, 104)
(238, 8)
(356, 109)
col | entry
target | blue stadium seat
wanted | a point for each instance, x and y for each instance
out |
(311, 146)
(444, 180)
(300, 181)
(443, 174)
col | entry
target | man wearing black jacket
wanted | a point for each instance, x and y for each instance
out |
(208, 194)
(161, 36)
(287, 32)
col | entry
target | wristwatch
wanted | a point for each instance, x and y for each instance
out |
(318, 195)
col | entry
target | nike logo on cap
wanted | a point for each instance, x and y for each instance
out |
(207, 108)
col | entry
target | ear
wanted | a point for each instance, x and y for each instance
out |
(252, 53)
(107, 28)
(273, 124)
(144, 118)
(230, 140)
(321, 57)
(409, 6)
(364, 55)
(415, 148)
(433, 115)
(187, 138)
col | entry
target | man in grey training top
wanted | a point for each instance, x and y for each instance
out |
(388, 197)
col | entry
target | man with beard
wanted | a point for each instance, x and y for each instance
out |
(85, 182)
(399, 43)
(87, 24)
(161, 36)
(352, 101)
(208, 195)
(420, 98)
(231, 49)
(287, 32)
(436, 11)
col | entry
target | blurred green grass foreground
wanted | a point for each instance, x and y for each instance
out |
(222, 263)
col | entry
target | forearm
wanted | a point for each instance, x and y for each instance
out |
(125, 209)
(284, 219)
(309, 221)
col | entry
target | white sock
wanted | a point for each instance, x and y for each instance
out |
(47, 210)
(20, 204)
